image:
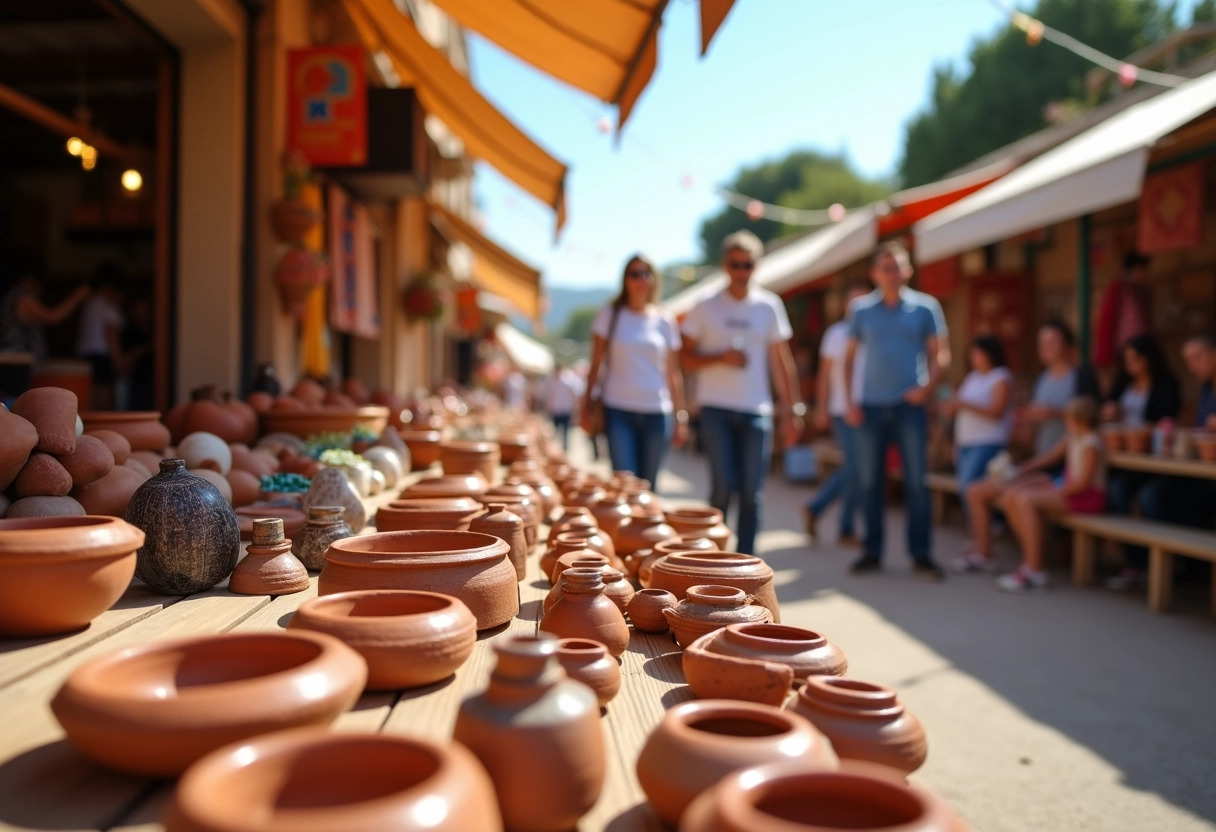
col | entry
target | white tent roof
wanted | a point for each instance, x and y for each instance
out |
(1100, 168)
(528, 354)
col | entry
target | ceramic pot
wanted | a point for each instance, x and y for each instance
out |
(513, 447)
(1205, 444)
(58, 573)
(617, 588)
(314, 781)
(414, 513)
(571, 541)
(543, 486)
(587, 495)
(192, 537)
(156, 708)
(646, 609)
(703, 522)
(573, 518)
(641, 530)
(466, 565)
(676, 573)
(792, 796)
(588, 662)
(526, 510)
(331, 487)
(324, 526)
(707, 608)
(448, 485)
(639, 496)
(645, 564)
(1112, 436)
(293, 519)
(407, 638)
(582, 559)
(269, 567)
(806, 652)
(1139, 439)
(583, 611)
(532, 712)
(509, 528)
(611, 511)
(713, 675)
(698, 743)
(310, 421)
(863, 721)
(469, 458)
(143, 430)
(424, 447)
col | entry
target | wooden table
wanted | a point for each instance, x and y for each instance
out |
(46, 784)
(1162, 465)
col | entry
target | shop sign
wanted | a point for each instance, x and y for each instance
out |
(327, 105)
(468, 312)
(1171, 209)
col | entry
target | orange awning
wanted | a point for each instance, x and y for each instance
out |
(911, 206)
(450, 96)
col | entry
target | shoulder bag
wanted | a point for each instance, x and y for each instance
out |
(595, 405)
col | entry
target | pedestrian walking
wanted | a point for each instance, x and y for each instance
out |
(904, 335)
(562, 394)
(738, 344)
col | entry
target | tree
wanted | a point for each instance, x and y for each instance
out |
(578, 325)
(1010, 82)
(802, 179)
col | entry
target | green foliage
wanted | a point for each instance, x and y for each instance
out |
(578, 325)
(801, 179)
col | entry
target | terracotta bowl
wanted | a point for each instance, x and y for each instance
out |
(142, 428)
(312, 781)
(677, 572)
(427, 513)
(305, 423)
(408, 638)
(423, 445)
(1205, 445)
(58, 573)
(470, 457)
(471, 566)
(448, 485)
(729, 661)
(513, 447)
(155, 709)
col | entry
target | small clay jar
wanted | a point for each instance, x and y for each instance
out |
(676, 573)
(707, 608)
(670, 547)
(643, 529)
(576, 557)
(588, 662)
(470, 457)
(646, 609)
(610, 576)
(423, 446)
(515, 491)
(639, 496)
(509, 527)
(698, 743)
(331, 487)
(611, 511)
(703, 522)
(324, 526)
(806, 652)
(587, 494)
(595, 540)
(269, 567)
(864, 721)
(533, 712)
(583, 611)
(617, 588)
(573, 518)
(414, 513)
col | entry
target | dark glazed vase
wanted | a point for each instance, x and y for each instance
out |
(192, 537)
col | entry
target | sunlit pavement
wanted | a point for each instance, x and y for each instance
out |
(1069, 709)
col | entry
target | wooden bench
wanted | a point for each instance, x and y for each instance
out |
(941, 485)
(1163, 540)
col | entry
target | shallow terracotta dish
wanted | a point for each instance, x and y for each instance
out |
(305, 423)
(142, 428)
(156, 708)
(427, 513)
(408, 638)
(312, 781)
(58, 573)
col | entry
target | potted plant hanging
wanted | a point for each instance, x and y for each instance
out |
(292, 218)
(299, 274)
(421, 299)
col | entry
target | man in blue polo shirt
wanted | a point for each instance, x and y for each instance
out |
(904, 333)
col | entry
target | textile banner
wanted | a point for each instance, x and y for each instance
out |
(999, 307)
(327, 105)
(1171, 209)
(353, 297)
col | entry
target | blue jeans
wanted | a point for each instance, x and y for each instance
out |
(971, 464)
(561, 423)
(906, 425)
(843, 482)
(739, 446)
(637, 441)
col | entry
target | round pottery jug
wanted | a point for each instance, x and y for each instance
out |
(192, 537)
(509, 527)
(617, 588)
(638, 494)
(583, 611)
(59, 573)
(156, 708)
(587, 495)
(424, 447)
(806, 652)
(543, 486)
(269, 567)
(525, 510)
(308, 780)
(588, 662)
(324, 526)
(703, 522)
(611, 511)
(569, 541)
(331, 487)
(573, 518)
(580, 560)
(670, 547)
(143, 430)
(864, 721)
(407, 638)
(676, 573)
(646, 609)
(415, 513)
(792, 796)
(470, 566)
(513, 446)
(470, 457)
(448, 485)
(698, 743)
(707, 608)
(576, 557)
(532, 712)
(641, 530)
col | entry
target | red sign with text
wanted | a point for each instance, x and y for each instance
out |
(327, 105)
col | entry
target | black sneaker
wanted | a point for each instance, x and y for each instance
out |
(865, 563)
(927, 569)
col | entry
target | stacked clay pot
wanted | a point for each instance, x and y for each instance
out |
(677, 572)
(707, 608)
(469, 458)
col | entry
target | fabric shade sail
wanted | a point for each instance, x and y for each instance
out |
(528, 354)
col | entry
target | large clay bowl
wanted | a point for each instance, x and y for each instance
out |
(58, 573)
(142, 428)
(677, 572)
(806, 652)
(156, 708)
(470, 457)
(470, 566)
(423, 445)
(700, 521)
(448, 485)
(408, 638)
(427, 513)
(312, 781)
(305, 423)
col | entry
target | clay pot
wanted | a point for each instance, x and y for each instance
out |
(582, 559)
(588, 662)
(42, 507)
(611, 511)
(703, 522)
(470, 566)
(309, 421)
(806, 652)
(292, 219)
(712, 675)
(156, 708)
(526, 510)
(193, 537)
(110, 495)
(583, 611)
(708, 608)
(17, 440)
(58, 573)
(424, 447)
(573, 518)
(324, 526)
(520, 493)
(268, 568)
(1139, 439)
(42, 476)
(639, 496)
(645, 559)
(91, 460)
(508, 527)
(791, 796)
(427, 513)
(641, 530)
(617, 588)
(698, 743)
(245, 487)
(408, 638)
(646, 609)
(293, 519)
(570, 541)
(52, 412)
(543, 486)
(513, 447)
(1205, 444)
(313, 781)
(863, 721)
(587, 495)
(331, 487)
(142, 429)
(532, 712)
(119, 447)
(448, 485)
(676, 573)
(469, 458)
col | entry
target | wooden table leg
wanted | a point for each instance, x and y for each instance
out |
(1160, 578)
(939, 507)
(1082, 558)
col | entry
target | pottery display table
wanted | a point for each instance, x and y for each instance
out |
(46, 784)
(1166, 465)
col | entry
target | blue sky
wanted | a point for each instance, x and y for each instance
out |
(780, 74)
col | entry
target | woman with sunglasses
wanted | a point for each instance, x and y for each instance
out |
(634, 367)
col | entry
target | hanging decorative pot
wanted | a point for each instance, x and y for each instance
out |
(421, 299)
(300, 272)
(292, 219)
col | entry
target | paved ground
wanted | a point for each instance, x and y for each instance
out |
(1071, 709)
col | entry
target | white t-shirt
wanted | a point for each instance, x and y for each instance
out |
(96, 316)
(1075, 458)
(515, 390)
(722, 323)
(980, 389)
(835, 347)
(634, 368)
(563, 392)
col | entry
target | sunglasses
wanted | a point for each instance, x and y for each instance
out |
(643, 274)
(740, 265)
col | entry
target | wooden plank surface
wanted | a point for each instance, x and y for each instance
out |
(1162, 465)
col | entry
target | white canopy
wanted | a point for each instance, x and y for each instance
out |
(1100, 168)
(528, 354)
